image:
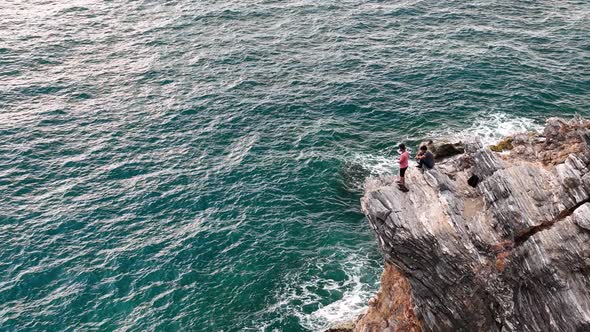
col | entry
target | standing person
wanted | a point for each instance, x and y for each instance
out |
(425, 158)
(403, 164)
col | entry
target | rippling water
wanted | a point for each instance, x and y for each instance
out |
(197, 165)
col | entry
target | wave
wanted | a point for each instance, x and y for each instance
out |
(350, 285)
(491, 127)
(359, 167)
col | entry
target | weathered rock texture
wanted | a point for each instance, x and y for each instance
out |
(511, 254)
(392, 308)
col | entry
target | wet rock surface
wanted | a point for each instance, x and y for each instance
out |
(511, 253)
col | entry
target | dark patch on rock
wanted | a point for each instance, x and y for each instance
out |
(473, 181)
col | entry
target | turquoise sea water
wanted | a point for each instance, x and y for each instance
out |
(197, 165)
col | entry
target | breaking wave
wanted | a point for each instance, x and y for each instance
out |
(491, 127)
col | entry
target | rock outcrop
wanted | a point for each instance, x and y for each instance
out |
(444, 149)
(510, 252)
(392, 308)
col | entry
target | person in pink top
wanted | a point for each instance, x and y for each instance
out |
(403, 163)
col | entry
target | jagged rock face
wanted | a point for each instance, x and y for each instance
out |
(392, 308)
(511, 254)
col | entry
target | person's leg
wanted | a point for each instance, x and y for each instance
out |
(402, 176)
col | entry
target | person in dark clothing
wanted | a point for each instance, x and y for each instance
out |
(425, 158)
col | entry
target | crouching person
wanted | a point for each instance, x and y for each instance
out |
(425, 158)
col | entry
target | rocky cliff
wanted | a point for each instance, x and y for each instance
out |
(488, 241)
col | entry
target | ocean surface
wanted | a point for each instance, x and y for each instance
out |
(198, 165)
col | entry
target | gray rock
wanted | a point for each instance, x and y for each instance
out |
(512, 254)
(347, 326)
(444, 149)
(581, 216)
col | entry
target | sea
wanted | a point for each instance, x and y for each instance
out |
(179, 165)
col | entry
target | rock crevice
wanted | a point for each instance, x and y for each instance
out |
(521, 238)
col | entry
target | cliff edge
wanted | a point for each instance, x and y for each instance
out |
(488, 241)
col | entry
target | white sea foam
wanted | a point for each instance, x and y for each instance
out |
(358, 167)
(376, 164)
(350, 306)
(491, 127)
(302, 294)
